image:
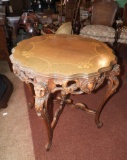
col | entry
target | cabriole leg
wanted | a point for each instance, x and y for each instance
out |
(113, 83)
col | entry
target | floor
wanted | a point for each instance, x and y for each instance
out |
(14, 120)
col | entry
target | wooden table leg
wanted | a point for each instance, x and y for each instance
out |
(51, 126)
(59, 111)
(46, 118)
(41, 100)
(113, 83)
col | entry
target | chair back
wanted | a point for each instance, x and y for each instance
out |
(125, 15)
(104, 12)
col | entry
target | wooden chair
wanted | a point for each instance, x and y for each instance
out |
(4, 52)
(122, 30)
(101, 21)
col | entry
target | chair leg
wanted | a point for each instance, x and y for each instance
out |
(8, 60)
(118, 47)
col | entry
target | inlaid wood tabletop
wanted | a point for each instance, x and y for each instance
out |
(64, 55)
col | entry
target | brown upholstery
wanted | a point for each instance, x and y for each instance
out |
(103, 12)
(102, 19)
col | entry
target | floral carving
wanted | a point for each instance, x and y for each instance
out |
(90, 84)
(21, 74)
(115, 71)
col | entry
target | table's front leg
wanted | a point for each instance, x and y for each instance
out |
(41, 100)
(45, 116)
(113, 83)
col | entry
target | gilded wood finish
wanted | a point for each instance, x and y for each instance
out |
(45, 84)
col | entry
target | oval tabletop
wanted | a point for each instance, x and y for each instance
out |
(64, 55)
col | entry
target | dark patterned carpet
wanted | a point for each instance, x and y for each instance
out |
(76, 136)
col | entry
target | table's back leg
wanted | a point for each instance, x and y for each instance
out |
(59, 111)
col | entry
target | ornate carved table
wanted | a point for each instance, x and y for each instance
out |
(69, 64)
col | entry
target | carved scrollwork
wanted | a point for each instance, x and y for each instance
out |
(115, 71)
(83, 107)
(112, 76)
(99, 80)
(87, 85)
(69, 87)
(21, 74)
(90, 84)
(76, 86)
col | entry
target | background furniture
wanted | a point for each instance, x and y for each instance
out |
(122, 29)
(5, 38)
(18, 6)
(69, 10)
(121, 3)
(101, 22)
(6, 89)
(51, 70)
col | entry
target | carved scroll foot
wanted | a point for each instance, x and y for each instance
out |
(48, 146)
(99, 124)
(97, 117)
